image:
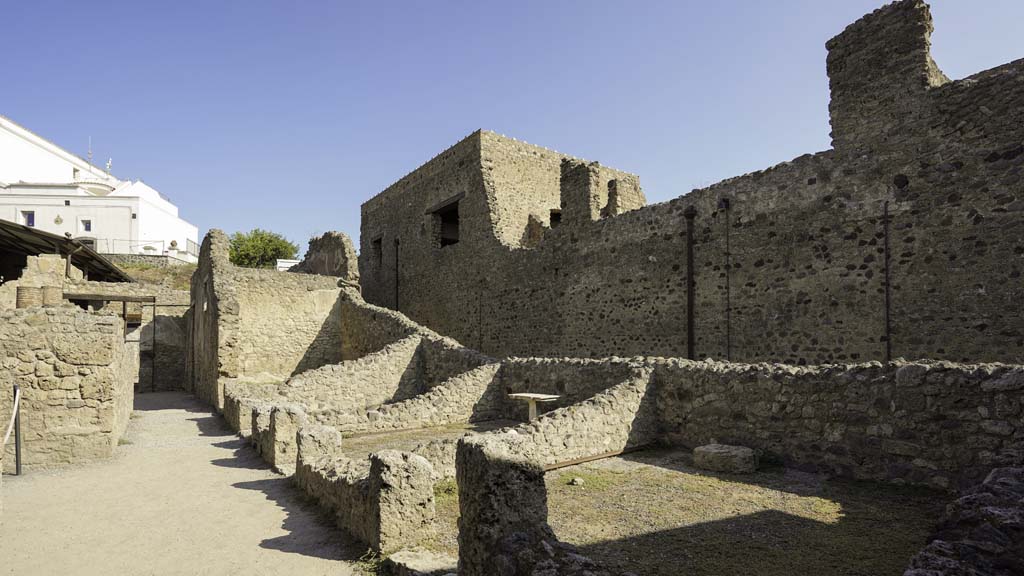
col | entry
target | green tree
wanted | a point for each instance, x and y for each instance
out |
(260, 248)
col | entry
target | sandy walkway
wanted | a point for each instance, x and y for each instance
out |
(185, 497)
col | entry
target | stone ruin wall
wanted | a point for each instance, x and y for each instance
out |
(447, 288)
(256, 324)
(330, 254)
(172, 322)
(76, 376)
(41, 270)
(793, 271)
(904, 423)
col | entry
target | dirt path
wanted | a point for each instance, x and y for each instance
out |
(186, 496)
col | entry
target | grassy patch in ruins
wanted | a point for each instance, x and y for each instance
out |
(652, 513)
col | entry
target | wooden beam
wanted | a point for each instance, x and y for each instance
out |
(108, 297)
(601, 456)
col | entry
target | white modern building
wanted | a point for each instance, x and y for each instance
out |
(46, 187)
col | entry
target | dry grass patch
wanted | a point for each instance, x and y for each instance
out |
(651, 513)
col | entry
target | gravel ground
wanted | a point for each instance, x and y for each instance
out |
(183, 495)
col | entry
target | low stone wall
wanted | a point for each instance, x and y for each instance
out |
(154, 260)
(572, 379)
(76, 377)
(981, 532)
(457, 400)
(341, 393)
(384, 502)
(937, 424)
(503, 513)
(366, 328)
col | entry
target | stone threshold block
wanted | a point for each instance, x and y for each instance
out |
(725, 458)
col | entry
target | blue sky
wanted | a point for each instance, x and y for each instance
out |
(288, 115)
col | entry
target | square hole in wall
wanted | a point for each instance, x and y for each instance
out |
(446, 223)
(556, 217)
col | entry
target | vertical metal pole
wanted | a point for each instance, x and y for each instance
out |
(690, 213)
(17, 436)
(725, 204)
(888, 294)
(396, 273)
(152, 361)
(124, 317)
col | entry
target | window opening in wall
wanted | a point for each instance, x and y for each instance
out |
(86, 225)
(377, 249)
(67, 202)
(28, 217)
(447, 222)
(556, 217)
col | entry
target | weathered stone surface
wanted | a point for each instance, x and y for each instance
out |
(419, 562)
(723, 458)
(982, 532)
(330, 255)
(76, 375)
(797, 251)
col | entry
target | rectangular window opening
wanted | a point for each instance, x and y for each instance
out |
(377, 249)
(28, 217)
(447, 222)
(86, 225)
(556, 217)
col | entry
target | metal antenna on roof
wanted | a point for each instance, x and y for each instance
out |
(89, 156)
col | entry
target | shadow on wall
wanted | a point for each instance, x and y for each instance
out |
(326, 346)
(161, 365)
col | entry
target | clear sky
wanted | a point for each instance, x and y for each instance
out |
(288, 115)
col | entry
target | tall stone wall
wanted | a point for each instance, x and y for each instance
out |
(257, 323)
(76, 376)
(923, 187)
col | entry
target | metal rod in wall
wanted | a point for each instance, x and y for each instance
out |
(724, 204)
(888, 292)
(690, 213)
(396, 273)
(124, 318)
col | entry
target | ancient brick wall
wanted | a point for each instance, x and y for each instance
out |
(790, 264)
(76, 376)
